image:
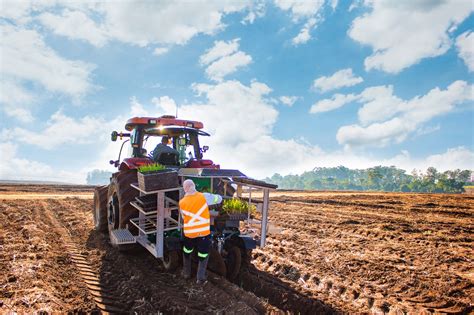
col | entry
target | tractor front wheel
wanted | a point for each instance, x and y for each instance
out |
(119, 209)
(99, 212)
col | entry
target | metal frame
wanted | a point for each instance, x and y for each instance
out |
(157, 221)
(265, 205)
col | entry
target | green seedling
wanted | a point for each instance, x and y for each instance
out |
(235, 205)
(150, 168)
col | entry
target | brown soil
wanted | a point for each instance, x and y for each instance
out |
(375, 252)
(338, 252)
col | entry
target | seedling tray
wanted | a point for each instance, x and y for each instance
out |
(158, 180)
(232, 217)
(147, 202)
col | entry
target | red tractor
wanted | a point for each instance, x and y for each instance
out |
(115, 206)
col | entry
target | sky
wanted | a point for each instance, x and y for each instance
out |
(281, 86)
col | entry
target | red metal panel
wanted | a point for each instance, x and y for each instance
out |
(162, 121)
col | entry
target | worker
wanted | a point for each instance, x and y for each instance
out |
(163, 148)
(196, 227)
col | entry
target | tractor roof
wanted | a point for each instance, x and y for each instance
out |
(173, 131)
(162, 121)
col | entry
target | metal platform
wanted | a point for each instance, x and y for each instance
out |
(122, 236)
(147, 225)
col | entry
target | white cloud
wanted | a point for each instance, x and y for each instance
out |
(224, 58)
(161, 22)
(160, 51)
(338, 100)
(339, 79)
(379, 104)
(137, 109)
(15, 101)
(355, 4)
(256, 10)
(304, 34)
(219, 50)
(308, 11)
(465, 46)
(75, 25)
(26, 57)
(139, 23)
(300, 9)
(227, 65)
(19, 12)
(453, 158)
(165, 104)
(427, 130)
(288, 100)
(408, 116)
(401, 33)
(13, 167)
(459, 157)
(60, 130)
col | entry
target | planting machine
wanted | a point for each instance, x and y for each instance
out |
(141, 209)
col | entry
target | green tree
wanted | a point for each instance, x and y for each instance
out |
(98, 177)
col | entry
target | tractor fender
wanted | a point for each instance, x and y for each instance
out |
(248, 242)
(133, 163)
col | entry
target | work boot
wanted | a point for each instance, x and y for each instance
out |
(201, 282)
(201, 272)
(186, 267)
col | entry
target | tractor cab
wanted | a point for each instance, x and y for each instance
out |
(146, 132)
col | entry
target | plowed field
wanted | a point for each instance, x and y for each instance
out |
(337, 253)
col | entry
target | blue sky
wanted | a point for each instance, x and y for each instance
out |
(282, 86)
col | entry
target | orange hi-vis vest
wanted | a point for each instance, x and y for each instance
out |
(196, 215)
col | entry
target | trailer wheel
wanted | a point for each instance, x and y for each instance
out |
(171, 260)
(233, 262)
(216, 264)
(99, 212)
(246, 257)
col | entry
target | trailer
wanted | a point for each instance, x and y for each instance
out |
(158, 227)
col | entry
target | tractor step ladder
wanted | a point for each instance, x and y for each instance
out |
(122, 236)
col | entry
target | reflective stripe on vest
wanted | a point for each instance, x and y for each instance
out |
(195, 214)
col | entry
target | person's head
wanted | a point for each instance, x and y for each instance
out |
(189, 187)
(165, 140)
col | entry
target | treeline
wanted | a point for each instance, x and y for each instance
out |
(98, 177)
(379, 178)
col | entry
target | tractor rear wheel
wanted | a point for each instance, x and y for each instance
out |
(233, 262)
(99, 212)
(119, 209)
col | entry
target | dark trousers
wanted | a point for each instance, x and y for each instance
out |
(201, 244)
